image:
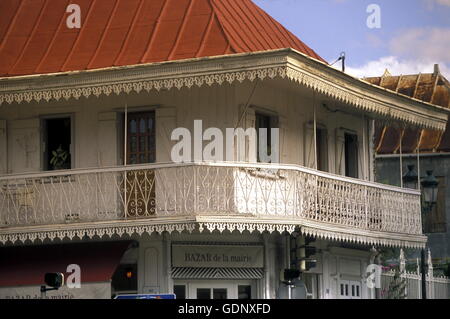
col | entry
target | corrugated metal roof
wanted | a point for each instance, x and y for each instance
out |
(432, 88)
(35, 39)
(217, 273)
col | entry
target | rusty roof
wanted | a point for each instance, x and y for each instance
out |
(433, 88)
(35, 38)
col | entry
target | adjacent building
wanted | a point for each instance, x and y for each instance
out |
(421, 150)
(87, 175)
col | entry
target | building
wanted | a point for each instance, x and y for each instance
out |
(433, 148)
(86, 172)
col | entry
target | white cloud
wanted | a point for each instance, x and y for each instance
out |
(395, 66)
(425, 44)
(432, 3)
(411, 51)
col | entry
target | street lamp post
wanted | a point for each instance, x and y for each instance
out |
(429, 199)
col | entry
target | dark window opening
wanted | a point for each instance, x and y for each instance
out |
(244, 292)
(57, 141)
(322, 150)
(351, 155)
(267, 122)
(179, 291)
(220, 294)
(203, 293)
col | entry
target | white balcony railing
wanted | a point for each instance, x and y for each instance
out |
(281, 192)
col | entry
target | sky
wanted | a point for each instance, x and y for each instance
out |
(406, 37)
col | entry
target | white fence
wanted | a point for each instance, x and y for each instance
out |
(437, 287)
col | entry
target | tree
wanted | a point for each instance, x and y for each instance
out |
(397, 287)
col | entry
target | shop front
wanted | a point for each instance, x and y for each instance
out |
(217, 271)
(89, 269)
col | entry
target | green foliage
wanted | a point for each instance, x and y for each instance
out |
(397, 287)
(59, 159)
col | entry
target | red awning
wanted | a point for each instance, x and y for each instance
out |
(27, 265)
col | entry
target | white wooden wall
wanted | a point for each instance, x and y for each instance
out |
(97, 123)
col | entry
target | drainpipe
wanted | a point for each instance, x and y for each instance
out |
(316, 164)
(266, 267)
(168, 243)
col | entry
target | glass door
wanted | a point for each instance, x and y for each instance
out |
(350, 289)
(218, 290)
(212, 290)
(141, 149)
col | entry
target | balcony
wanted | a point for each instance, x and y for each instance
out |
(207, 195)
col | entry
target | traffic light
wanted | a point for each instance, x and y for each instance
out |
(304, 252)
(54, 280)
(288, 275)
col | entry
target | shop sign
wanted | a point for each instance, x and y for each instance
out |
(223, 256)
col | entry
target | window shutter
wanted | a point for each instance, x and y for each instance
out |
(361, 168)
(281, 123)
(25, 143)
(250, 150)
(340, 151)
(166, 122)
(107, 139)
(3, 148)
(310, 157)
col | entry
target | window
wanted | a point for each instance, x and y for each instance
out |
(322, 149)
(179, 291)
(351, 155)
(203, 293)
(141, 144)
(214, 289)
(350, 289)
(244, 292)
(220, 294)
(141, 149)
(268, 122)
(214, 293)
(57, 141)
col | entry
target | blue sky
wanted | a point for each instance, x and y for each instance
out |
(414, 34)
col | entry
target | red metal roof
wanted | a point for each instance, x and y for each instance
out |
(27, 265)
(35, 39)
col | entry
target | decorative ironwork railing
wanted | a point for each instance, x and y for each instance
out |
(282, 192)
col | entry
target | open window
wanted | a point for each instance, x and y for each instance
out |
(322, 149)
(57, 142)
(351, 155)
(264, 121)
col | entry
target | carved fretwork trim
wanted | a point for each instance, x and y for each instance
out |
(285, 63)
(90, 231)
